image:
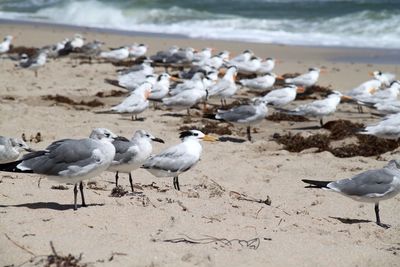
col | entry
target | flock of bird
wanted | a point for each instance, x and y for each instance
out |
(202, 76)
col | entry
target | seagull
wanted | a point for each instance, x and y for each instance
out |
(266, 66)
(92, 48)
(245, 114)
(264, 82)
(11, 148)
(388, 128)
(53, 50)
(35, 62)
(161, 56)
(307, 79)
(225, 87)
(181, 56)
(319, 108)
(136, 102)
(5, 45)
(70, 160)
(77, 42)
(137, 50)
(386, 78)
(371, 186)
(196, 82)
(283, 96)
(131, 154)
(179, 158)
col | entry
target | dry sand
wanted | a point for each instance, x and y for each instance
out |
(302, 227)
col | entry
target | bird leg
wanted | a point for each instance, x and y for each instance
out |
(378, 219)
(176, 183)
(75, 196)
(82, 196)
(36, 73)
(321, 122)
(248, 133)
(188, 111)
(131, 182)
(116, 178)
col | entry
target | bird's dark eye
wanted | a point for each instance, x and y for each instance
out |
(195, 134)
(147, 135)
(107, 135)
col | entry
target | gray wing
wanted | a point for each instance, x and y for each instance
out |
(60, 155)
(369, 182)
(125, 151)
(237, 113)
(173, 159)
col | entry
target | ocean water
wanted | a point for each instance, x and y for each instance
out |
(358, 23)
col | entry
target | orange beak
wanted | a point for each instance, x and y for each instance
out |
(371, 90)
(371, 73)
(300, 89)
(222, 71)
(345, 97)
(279, 77)
(172, 78)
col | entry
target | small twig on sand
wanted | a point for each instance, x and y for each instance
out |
(20, 246)
(241, 196)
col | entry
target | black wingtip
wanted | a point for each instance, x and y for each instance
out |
(12, 167)
(316, 184)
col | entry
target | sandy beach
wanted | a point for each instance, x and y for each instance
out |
(223, 197)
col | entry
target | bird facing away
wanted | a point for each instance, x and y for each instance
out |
(245, 114)
(11, 148)
(388, 128)
(283, 96)
(179, 158)
(70, 160)
(307, 79)
(371, 186)
(131, 154)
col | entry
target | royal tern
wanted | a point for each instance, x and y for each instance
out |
(388, 107)
(216, 61)
(225, 87)
(366, 89)
(249, 67)
(137, 50)
(319, 108)
(266, 66)
(283, 96)
(245, 114)
(388, 94)
(161, 56)
(307, 79)
(136, 102)
(196, 82)
(11, 148)
(116, 55)
(243, 57)
(160, 88)
(5, 45)
(181, 56)
(371, 186)
(261, 83)
(185, 99)
(388, 128)
(131, 154)
(202, 55)
(133, 77)
(386, 78)
(70, 160)
(179, 158)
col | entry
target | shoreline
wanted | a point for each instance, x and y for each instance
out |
(344, 54)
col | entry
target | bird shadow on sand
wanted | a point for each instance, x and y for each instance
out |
(176, 115)
(231, 139)
(307, 128)
(349, 220)
(130, 119)
(48, 205)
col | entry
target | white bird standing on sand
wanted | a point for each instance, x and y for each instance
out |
(70, 160)
(131, 154)
(136, 102)
(307, 79)
(266, 66)
(5, 45)
(197, 82)
(260, 83)
(386, 78)
(388, 107)
(78, 41)
(137, 50)
(319, 108)
(216, 61)
(225, 87)
(134, 77)
(283, 96)
(243, 57)
(245, 114)
(371, 186)
(387, 94)
(202, 55)
(366, 89)
(35, 62)
(11, 148)
(388, 128)
(185, 99)
(179, 158)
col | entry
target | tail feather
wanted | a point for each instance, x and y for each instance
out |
(12, 167)
(316, 184)
(114, 82)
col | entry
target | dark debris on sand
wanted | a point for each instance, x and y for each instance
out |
(279, 116)
(59, 187)
(66, 100)
(112, 93)
(208, 127)
(57, 260)
(29, 51)
(366, 145)
(118, 191)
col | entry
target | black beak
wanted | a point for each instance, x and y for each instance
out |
(29, 150)
(155, 139)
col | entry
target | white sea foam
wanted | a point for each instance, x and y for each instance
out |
(360, 29)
